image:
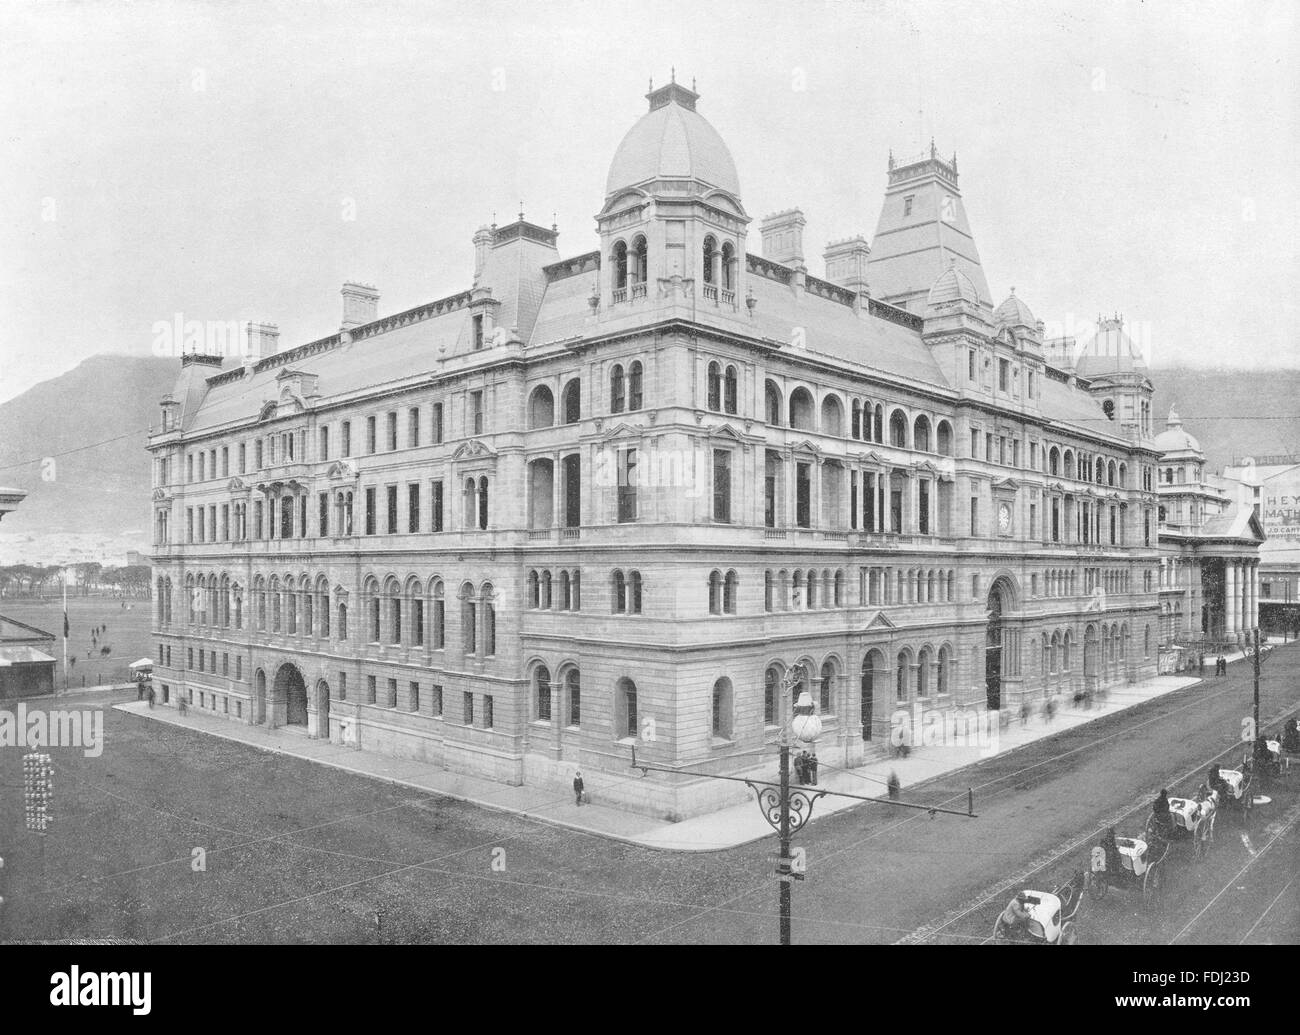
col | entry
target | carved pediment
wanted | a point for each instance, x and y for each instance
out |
(267, 410)
(341, 470)
(472, 449)
(925, 467)
(161, 495)
(871, 457)
(725, 431)
(236, 484)
(806, 446)
(878, 620)
(622, 430)
(1005, 485)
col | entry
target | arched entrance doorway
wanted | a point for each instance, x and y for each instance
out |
(993, 647)
(1090, 655)
(323, 709)
(259, 698)
(872, 666)
(292, 691)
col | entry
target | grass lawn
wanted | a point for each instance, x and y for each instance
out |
(127, 636)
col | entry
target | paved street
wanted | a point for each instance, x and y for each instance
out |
(296, 852)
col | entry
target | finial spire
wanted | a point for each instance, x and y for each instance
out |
(521, 210)
(674, 73)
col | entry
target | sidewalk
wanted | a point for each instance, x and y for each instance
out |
(727, 828)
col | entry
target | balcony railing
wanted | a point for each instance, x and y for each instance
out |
(638, 291)
(711, 292)
(571, 533)
(620, 295)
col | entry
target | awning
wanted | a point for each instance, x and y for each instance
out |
(142, 663)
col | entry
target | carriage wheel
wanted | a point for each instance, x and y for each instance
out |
(1152, 886)
(1069, 936)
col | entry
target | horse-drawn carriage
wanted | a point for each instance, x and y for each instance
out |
(1050, 918)
(1130, 863)
(1189, 819)
(1233, 789)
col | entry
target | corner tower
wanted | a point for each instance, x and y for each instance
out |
(922, 232)
(672, 226)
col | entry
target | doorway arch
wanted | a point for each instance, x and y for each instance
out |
(291, 694)
(259, 698)
(323, 709)
(873, 667)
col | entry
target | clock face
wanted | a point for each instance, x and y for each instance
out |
(1004, 518)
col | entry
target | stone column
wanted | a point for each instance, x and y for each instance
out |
(1229, 598)
(1254, 593)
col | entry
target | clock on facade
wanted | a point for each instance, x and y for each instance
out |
(1004, 518)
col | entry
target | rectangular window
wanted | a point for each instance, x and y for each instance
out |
(225, 461)
(907, 204)
(923, 507)
(324, 444)
(1033, 521)
(988, 445)
(347, 438)
(392, 694)
(627, 485)
(323, 519)
(974, 515)
(370, 689)
(392, 509)
(1004, 375)
(435, 505)
(478, 331)
(435, 694)
(487, 711)
(343, 686)
(974, 443)
(970, 364)
(413, 507)
(239, 667)
(413, 700)
(371, 435)
(468, 708)
(1002, 449)
(257, 455)
(370, 511)
(1056, 520)
(413, 427)
(803, 495)
(896, 510)
(392, 432)
(476, 411)
(437, 424)
(243, 457)
(721, 485)
(770, 469)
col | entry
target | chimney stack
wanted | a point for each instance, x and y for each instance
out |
(783, 237)
(263, 341)
(482, 245)
(360, 304)
(846, 263)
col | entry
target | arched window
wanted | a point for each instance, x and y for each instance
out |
(545, 591)
(943, 672)
(468, 619)
(839, 588)
(534, 590)
(801, 409)
(571, 401)
(1110, 473)
(715, 386)
(542, 692)
(483, 502)
(769, 590)
(898, 429)
(626, 708)
(923, 672)
(771, 685)
(878, 435)
(730, 391)
(856, 422)
(811, 585)
(729, 585)
(1054, 461)
(722, 708)
(566, 594)
(944, 436)
(573, 691)
(772, 403)
(618, 591)
(826, 689)
(904, 667)
(639, 264)
(471, 504)
(921, 434)
(541, 408)
(617, 389)
(619, 263)
(832, 416)
(728, 270)
(634, 592)
(708, 258)
(439, 616)
(634, 386)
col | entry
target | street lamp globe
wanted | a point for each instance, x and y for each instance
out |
(806, 724)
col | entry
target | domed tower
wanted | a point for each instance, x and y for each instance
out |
(672, 226)
(1116, 372)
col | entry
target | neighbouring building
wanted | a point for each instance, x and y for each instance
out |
(609, 499)
(26, 661)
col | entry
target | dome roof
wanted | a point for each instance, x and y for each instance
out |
(672, 140)
(1174, 439)
(953, 286)
(1014, 313)
(1110, 351)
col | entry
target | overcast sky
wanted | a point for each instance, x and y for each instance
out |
(234, 161)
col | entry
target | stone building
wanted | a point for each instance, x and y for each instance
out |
(610, 499)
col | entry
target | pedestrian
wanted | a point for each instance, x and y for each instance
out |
(577, 787)
(1223, 665)
(1200, 665)
(894, 786)
(151, 695)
